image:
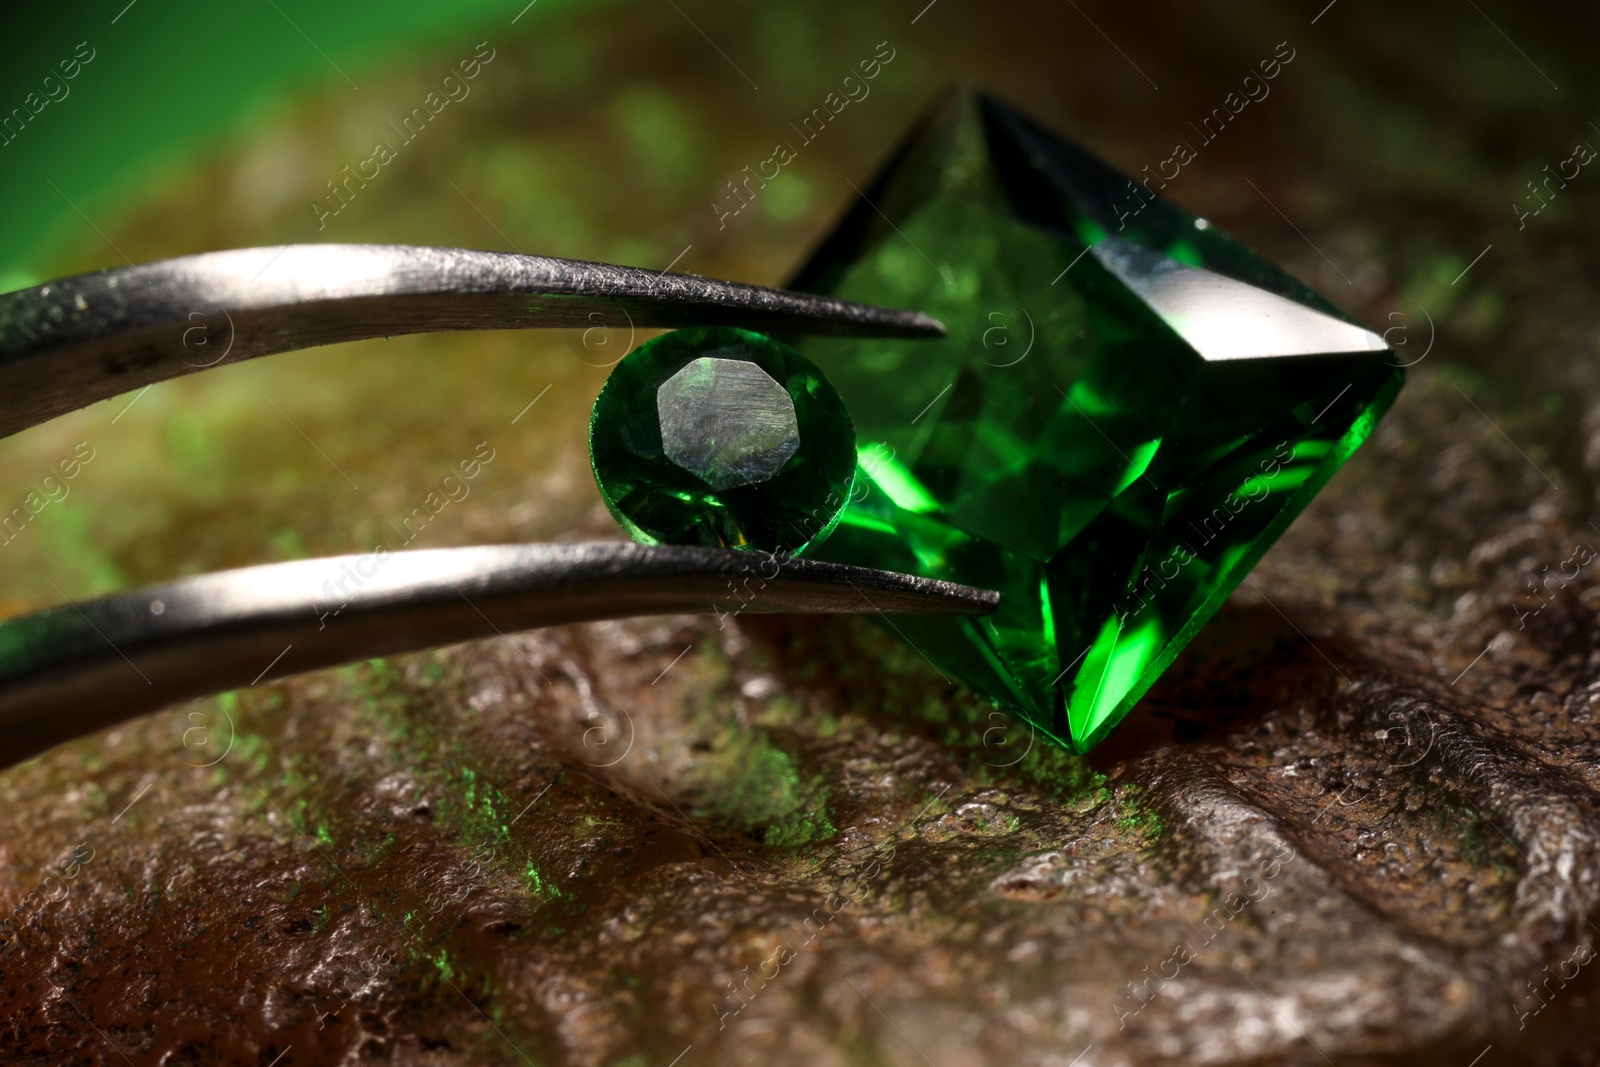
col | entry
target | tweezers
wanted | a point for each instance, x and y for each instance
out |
(76, 668)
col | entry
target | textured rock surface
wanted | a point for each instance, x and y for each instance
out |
(1357, 824)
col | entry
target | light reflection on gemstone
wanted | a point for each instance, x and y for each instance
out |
(1222, 318)
(726, 422)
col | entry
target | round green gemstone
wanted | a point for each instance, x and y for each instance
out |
(723, 437)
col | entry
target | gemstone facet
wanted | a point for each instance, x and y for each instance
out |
(1127, 411)
(727, 421)
(717, 436)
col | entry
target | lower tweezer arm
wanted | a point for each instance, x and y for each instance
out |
(68, 671)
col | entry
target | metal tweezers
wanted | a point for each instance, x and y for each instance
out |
(70, 670)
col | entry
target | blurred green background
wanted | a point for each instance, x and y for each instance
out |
(165, 77)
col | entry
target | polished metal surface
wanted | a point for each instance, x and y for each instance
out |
(71, 670)
(69, 343)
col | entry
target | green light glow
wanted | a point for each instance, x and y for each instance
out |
(1288, 478)
(1138, 462)
(896, 481)
(1113, 664)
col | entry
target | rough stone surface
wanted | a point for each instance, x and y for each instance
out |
(1396, 717)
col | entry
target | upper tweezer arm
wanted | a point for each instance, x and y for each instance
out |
(71, 342)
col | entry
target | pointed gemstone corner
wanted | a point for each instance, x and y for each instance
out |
(1128, 409)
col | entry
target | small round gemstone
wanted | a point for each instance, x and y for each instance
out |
(717, 436)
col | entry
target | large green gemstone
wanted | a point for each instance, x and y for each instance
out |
(722, 437)
(1130, 407)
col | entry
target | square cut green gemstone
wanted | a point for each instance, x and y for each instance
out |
(1128, 410)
